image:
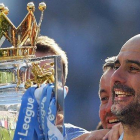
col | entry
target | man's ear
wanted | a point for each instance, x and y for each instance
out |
(66, 88)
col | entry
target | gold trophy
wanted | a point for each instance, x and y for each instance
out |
(17, 62)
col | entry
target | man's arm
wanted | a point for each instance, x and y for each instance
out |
(82, 137)
(103, 134)
(93, 135)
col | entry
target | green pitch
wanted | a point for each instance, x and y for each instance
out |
(6, 134)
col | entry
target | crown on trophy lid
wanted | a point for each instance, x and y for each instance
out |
(28, 29)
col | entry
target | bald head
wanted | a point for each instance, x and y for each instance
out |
(133, 44)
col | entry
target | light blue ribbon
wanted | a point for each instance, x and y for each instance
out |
(37, 121)
(48, 113)
(44, 106)
(27, 116)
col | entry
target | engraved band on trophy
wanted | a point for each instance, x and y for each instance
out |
(18, 62)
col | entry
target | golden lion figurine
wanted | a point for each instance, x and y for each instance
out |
(40, 75)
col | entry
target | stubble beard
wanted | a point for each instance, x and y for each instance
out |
(130, 114)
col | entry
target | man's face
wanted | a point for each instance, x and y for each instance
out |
(125, 82)
(106, 117)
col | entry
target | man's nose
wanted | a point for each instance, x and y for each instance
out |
(109, 104)
(119, 76)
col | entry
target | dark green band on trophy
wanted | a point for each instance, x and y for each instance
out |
(7, 77)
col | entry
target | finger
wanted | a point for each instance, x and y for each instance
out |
(106, 136)
(113, 134)
(121, 129)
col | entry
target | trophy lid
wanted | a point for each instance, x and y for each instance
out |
(17, 36)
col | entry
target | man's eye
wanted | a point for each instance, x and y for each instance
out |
(104, 99)
(133, 69)
(116, 67)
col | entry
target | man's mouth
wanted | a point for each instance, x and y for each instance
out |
(111, 121)
(122, 94)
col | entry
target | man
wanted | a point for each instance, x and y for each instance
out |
(126, 88)
(105, 95)
(46, 47)
(107, 67)
(106, 117)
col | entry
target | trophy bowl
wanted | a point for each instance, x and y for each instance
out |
(13, 77)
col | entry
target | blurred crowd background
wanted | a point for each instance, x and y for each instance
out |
(89, 31)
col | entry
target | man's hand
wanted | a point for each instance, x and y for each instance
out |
(94, 135)
(114, 133)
